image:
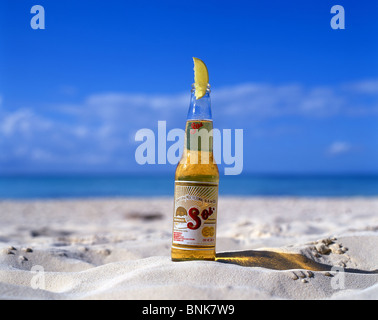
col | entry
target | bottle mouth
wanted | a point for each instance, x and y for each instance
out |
(208, 87)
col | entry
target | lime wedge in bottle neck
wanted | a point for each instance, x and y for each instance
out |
(201, 78)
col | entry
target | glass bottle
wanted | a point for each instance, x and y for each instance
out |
(196, 187)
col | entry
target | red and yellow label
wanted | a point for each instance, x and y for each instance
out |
(195, 213)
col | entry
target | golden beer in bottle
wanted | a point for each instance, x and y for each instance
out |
(196, 180)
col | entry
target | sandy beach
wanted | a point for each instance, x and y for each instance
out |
(267, 248)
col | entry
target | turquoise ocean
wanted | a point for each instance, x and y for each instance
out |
(104, 186)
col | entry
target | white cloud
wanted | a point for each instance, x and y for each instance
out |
(268, 101)
(41, 155)
(339, 147)
(364, 87)
(80, 131)
(257, 100)
(24, 122)
(17, 121)
(97, 130)
(68, 90)
(128, 101)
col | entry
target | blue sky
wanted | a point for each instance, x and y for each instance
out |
(73, 95)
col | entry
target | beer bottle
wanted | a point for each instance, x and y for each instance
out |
(196, 179)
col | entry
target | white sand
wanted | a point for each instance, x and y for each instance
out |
(120, 249)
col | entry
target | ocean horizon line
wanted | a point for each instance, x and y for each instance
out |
(100, 186)
(171, 174)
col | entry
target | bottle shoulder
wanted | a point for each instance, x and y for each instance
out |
(197, 172)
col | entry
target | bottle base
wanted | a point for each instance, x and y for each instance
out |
(189, 255)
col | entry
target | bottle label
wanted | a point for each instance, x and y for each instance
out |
(195, 214)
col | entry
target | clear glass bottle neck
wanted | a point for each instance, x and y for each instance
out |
(200, 109)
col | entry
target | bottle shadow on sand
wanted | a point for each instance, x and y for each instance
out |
(277, 261)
